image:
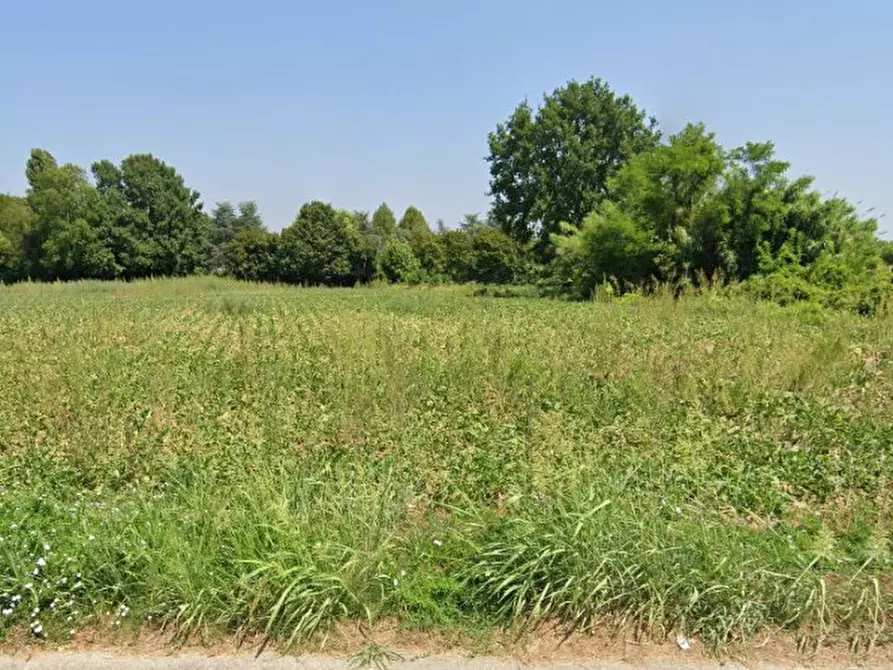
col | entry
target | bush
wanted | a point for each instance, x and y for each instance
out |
(495, 257)
(398, 263)
(609, 244)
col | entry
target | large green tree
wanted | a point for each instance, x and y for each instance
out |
(413, 223)
(65, 241)
(322, 246)
(495, 258)
(253, 254)
(225, 224)
(384, 224)
(553, 165)
(16, 222)
(160, 228)
(670, 193)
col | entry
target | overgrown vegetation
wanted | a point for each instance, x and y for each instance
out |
(587, 196)
(213, 455)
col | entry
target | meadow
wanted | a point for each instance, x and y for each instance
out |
(213, 456)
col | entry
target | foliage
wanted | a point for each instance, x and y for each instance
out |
(223, 456)
(413, 224)
(322, 246)
(495, 258)
(16, 221)
(587, 200)
(458, 255)
(252, 254)
(554, 165)
(670, 194)
(608, 246)
(159, 226)
(430, 251)
(384, 223)
(886, 251)
(399, 263)
(226, 225)
(64, 242)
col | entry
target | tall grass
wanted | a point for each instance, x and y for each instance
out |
(212, 455)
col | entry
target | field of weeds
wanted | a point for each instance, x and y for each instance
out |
(207, 455)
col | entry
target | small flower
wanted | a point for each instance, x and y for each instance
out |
(46, 547)
(90, 538)
(71, 632)
(41, 562)
(36, 628)
(35, 571)
(28, 586)
(438, 543)
(396, 582)
(7, 611)
(35, 612)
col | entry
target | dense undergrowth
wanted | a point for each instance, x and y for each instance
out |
(209, 454)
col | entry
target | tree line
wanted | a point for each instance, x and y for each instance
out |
(586, 193)
(139, 219)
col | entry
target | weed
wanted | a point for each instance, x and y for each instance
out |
(209, 455)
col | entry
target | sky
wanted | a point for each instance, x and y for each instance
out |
(359, 102)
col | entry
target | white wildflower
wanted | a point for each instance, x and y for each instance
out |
(41, 562)
(438, 543)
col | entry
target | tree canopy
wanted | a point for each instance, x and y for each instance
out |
(553, 165)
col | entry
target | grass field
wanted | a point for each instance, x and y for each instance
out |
(210, 455)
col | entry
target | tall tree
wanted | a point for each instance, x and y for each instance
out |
(670, 193)
(164, 229)
(16, 222)
(65, 241)
(495, 257)
(320, 247)
(554, 166)
(225, 224)
(253, 255)
(413, 223)
(384, 223)
(221, 232)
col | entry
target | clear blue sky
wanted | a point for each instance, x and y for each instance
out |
(358, 101)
